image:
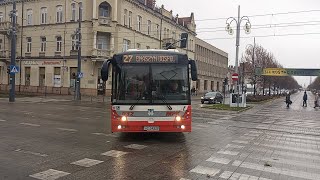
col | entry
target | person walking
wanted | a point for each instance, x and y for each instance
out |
(288, 100)
(316, 100)
(305, 98)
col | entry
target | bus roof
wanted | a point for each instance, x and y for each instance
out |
(150, 51)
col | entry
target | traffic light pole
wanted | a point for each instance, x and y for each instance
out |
(78, 85)
(13, 54)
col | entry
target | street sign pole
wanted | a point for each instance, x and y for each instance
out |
(13, 54)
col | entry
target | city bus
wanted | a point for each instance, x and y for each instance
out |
(150, 90)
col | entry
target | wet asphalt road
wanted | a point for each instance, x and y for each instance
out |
(55, 139)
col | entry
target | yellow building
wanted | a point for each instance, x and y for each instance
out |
(47, 44)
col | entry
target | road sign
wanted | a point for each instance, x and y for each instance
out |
(80, 75)
(235, 76)
(290, 72)
(14, 69)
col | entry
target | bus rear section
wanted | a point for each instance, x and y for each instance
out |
(150, 91)
(151, 118)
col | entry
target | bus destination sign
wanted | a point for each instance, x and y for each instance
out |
(150, 58)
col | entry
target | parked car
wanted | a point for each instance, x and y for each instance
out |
(212, 97)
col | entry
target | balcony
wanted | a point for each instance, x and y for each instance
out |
(102, 53)
(105, 21)
(4, 27)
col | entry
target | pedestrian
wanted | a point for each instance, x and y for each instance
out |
(288, 99)
(316, 100)
(305, 98)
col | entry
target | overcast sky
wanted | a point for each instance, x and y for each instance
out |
(292, 51)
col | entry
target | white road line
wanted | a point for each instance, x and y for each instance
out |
(136, 146)
(283, 171)
(86, 162)
(66, 129)
(50, 174)
(295, 136)
(289, 143)
(232, 153)
(234, 146)
(205, 170)
(219, 160)
(238, 176)
(102, 134)
(114, 153)
(294, 140)
(240, 142)
(30, 152)
(1, 120)
(29, 124)
(291, 148)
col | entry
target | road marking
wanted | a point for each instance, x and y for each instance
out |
(86, 162)
(290, 162)
(102, 134)
(232, 153)
(114, 153)
(234, 146)
(205, 170)
(238, 176)
(30, 152)
(247, 138)
(295, 136)
(50, 174)
(291, 148)
(184, 179)
(219, 160)
(66, 129)
(1, 120)
(253, 135)
(240, 142)
(136, 146)
(29, 124)
(283, 171)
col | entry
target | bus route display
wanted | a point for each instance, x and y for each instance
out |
(150, 58)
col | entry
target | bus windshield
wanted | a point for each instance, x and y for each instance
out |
(151, 84)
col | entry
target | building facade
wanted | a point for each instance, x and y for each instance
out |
(212, 64)
(47, 43)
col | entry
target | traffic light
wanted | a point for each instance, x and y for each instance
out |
(225, 82)
(184, 40)
(8, 70)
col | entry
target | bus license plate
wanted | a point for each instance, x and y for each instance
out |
(151, 128)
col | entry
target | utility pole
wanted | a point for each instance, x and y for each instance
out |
(13, 52)
(78, 85)
(254, 68)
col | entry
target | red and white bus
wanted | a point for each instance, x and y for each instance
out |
(150, 90)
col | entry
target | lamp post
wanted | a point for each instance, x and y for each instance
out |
(78, 34)
(254, 66)
(229, 29)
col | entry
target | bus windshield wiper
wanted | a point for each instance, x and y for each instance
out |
(165, 101)
(133, 105)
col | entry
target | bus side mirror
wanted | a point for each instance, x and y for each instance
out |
(105, 70)
(194, 72)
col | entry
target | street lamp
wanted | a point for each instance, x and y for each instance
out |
(79, 74)
(254, 66)
(229, 29)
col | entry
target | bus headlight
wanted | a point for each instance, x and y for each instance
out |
(178, 118)
(123, 118)
(183, 126)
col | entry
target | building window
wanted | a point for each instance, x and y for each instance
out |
(218, 86)
(126, 45)
(138, 45)
(29, 44)
(44, 13)
(102, 42)
(57, 77)
(0, 45)
(59, 44)
(125, 17)
(43, 44)
(29, 16)
(157, 30)
(42, 76)
(73, 11)
(139, 20)
(165, 33)
(1, 16)
(27, 71)
(149, 27)
(212, 85)
(74, 42)
(148, 47)
(104, 10)
(205, 85)
(130, 19)
(59, 14)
